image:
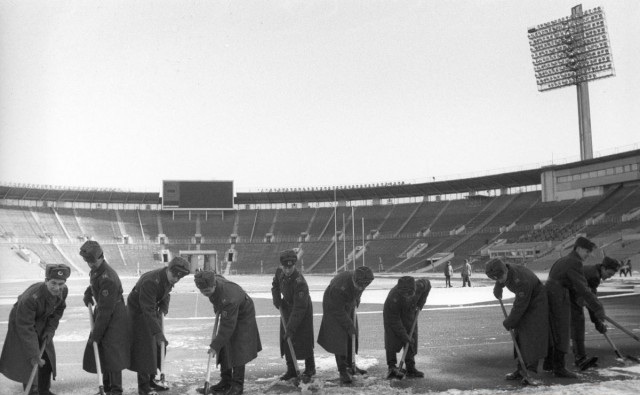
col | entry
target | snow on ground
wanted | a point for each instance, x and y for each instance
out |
(605, 381)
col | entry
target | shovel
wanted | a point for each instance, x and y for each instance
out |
(293, 353)
(35, 367)
(96, 354)
(207, 384)
(405, 349)
(163, 350)
(526, 379)
(622, 328)
(618, 354)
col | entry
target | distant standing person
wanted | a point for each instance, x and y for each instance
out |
(33, 321)
(448, 272)
(466, 274)
(147, 303)
(594, 274)
(629, 268)
(567, 274)
(290, 293)
(337, 326)
(111, 324)
(529, 316)
(238, 341)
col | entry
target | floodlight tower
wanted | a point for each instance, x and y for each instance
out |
(572, 51)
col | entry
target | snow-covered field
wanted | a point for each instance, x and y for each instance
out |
(189, 323)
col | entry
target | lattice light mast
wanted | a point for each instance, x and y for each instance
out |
(572, 51)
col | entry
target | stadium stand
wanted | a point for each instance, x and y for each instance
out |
(399, 237)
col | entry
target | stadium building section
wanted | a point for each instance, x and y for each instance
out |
(529, 217)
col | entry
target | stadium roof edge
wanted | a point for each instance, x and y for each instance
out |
(523, 178)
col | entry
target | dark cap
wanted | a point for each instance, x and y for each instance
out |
(611, 264)
(406, 284)
(363, 276)
(495, 269)
(204, 279)
(57, 272)
(91, 250)
(179, 267)
(584, 243)
(288, 258)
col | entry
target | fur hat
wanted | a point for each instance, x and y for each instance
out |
(57, 272)
(179, 267)
(584, 243)
(423, 285)
(611, 264)
(363, 276)
(91, 250)
(288, 258)
(406, 284)
(204, 279)
(495, 269)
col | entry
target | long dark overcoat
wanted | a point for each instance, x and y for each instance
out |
(112, 329)
(397, 316)
(237, 329)
(147, 299)
(566, 275)
(297, 311)
(338, 305)
(529, 315)
(593, 277)
(37, 311)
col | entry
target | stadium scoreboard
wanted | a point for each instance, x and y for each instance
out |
(197, 195)
(571, 50)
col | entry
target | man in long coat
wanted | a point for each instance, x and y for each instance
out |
(337, 326)
(33, 321)
(566, 275)
(148, 301)
(111, 325)
(398, 315)
(290, 294)
(238, 340)
(594, 274)
(529, 316)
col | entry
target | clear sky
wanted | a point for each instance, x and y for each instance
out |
(282, 93)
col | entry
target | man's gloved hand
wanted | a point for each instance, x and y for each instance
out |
(37, 361)
(277, 303)
(506, 325)
(93, 339)
(601, 327)
(161, 340)
(409, 340)
(286, 333)
(497, 292)
(599, 314)
(164, 310)
(351, 331)
(88, 299)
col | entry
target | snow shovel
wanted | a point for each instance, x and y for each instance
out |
(35, 367)
(618, 354)
(353, 343)
(526, 379)
(163, 349)
(207, 384)
(293, 353)
(96, 354)
(405, 349)
(622, 328)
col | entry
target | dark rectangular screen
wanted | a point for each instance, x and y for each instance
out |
(197, 195)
